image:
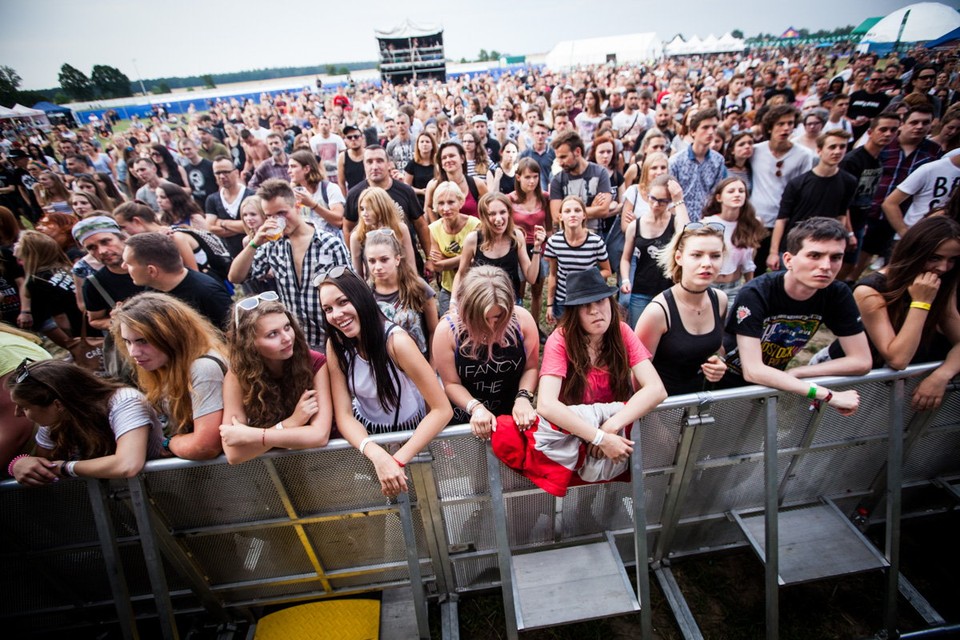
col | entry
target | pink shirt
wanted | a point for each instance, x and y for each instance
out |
(527, 220)
(554, 363)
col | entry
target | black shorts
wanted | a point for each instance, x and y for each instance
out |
(879, 236)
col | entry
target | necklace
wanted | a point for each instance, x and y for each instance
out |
(699, 309)
(693, 291)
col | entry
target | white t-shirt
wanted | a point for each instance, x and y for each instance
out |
(128, 410)
(767, 185)
(735, 257)
(930, 185)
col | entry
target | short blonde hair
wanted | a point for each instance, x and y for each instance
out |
(449, 188)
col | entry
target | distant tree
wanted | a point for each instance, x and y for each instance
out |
(737, 33)
(483, 56)
(75, 83)
(343, 71)
(110, 82)
(331, 70)
(61, 98)
(208, 82)
(463, 60)
(494, 55)
(9, 85)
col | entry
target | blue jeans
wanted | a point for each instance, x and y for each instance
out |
(443, 302)
(638, 302)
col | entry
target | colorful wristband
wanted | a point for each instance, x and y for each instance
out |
(398, 462)
(597, 439)
(920, 305)
(14, 461)
(364, 443)
(812, 392)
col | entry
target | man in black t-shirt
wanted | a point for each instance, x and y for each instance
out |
(866, 104)
(153, 260)
(199, 172)
(377, 170)
(778, 313)
(823, 191)
(103, 240)
(863, 163)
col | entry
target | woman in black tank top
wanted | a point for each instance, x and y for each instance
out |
(499, 243)
(683, 326)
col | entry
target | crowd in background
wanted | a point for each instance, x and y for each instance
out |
(276, 273)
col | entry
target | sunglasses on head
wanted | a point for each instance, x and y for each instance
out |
(23, 370)
(713, 226)
(332, 273)
(251, 303)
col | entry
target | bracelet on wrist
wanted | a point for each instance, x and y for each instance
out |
(68, 468)
(812, 391)
(916, 304)
(472, 406)
(364, 443)
(14, 461)
(523, 393)
(398, 462)
(828, 398)
(263, 437)
(597, 439)
(253, 244)
(166, 443)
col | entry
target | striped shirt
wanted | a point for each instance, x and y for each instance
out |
(300, 296)
(571, 259)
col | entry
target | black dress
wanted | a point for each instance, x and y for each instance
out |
(680, 353)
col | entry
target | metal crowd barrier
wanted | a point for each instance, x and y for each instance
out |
(219, 541)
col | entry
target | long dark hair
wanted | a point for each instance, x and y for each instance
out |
(909, 260)
(613, 353)
(463, 158)
(83, 428)
(173, 169)
(750, 231)
(372, 340)
(182, 205)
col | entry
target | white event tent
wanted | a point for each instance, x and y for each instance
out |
(927, 21)
(635, 47)
(711, 44)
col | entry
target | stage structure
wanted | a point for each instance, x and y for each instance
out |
(412, 52)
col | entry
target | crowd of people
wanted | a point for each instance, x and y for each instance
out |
(274, 274)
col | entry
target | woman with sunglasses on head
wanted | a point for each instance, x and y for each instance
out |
(277, 391)
(167, 167)
(179, 365)
(487, 352)
(594, 357)
(404, 297)
(378, 213)
(380, 381)
(645, 238)
(683, 326)
(89, 426)
(909, 307)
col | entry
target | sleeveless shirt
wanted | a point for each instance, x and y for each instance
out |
(680, 353)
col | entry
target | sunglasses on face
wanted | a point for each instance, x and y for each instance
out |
(251, 303)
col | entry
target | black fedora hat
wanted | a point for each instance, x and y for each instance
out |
(584, 287)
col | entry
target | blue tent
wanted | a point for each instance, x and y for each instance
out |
(946, 39)
(49, 107)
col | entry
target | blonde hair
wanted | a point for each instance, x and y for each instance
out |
(482, 289)
(583, 207)
(385, 210)
(449, 188)
(486, 229)
(180, 333)
(256, 203)
(38, 252)
(667, 257)
(410, 290)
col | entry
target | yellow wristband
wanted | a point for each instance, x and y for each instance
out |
(920, 305)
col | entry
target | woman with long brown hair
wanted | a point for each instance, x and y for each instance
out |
(49, 300)
(89, 426)
(322, 199)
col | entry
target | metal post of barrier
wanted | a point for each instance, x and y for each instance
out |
(413, 562)
(151, 555)
(894, 482)
(640, 534)
(298, 528)
(771, 537)
(428, 501)
(808, 435)
(503, 544)
(111, 558)
(173, 552)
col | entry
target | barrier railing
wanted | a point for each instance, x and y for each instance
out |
(299, 525)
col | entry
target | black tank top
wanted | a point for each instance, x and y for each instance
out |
(509, 262)
(494, 382)
(680, 353)
(648, 278)
(352, 171)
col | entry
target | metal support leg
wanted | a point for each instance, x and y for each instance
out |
(893, 492)
(111, 558)
(640, 534)
(151, 554)
(503, 544)
(413, 562)
(421, 472)
(772, 538)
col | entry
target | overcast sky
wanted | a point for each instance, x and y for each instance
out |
(193, 37)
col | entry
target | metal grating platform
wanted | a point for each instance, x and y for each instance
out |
(579, 583)
(815, 542)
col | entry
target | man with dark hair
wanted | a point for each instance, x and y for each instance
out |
(863, 163)
(350, 162)
(102, 239)
(480, 128)
(541, 152)
(778, 313)
(631, 123)
(199, 172)
(699, 169)
(273, 167)
(909, 151)
(775, 162)
(296, 252)
(223, 207)
(824, 191)
(153, 261)
(78, 165)
(210, 147)
(146, 171)
(579, 177)
(376, 166)
(400, 149)
(866, 104)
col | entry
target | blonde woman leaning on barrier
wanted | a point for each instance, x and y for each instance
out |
(380, 381)
(277, 392)
(88, 426)
(179, 366)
